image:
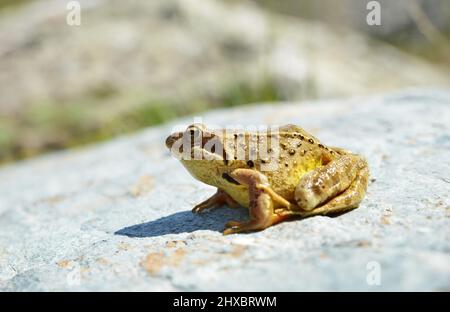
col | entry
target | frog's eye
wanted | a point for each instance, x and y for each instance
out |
(197, 126)
(194, 132)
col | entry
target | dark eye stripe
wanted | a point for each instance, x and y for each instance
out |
(227, 177)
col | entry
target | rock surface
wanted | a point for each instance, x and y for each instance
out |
(116, 216)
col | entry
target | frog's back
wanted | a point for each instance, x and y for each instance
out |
(296, 153)
(284, 157)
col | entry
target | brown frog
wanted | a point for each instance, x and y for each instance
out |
(277, 175)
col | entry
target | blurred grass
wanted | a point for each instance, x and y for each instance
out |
(433, 46)
(11, 3)
(49, 127)
(416, 40)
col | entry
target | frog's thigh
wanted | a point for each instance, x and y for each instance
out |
(325, 183)
(261, 205)
(348, 200)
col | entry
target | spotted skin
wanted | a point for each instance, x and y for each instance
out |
(306, 177)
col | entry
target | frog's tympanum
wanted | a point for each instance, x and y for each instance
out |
(277, 174)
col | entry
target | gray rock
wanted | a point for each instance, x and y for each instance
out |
(116, 216)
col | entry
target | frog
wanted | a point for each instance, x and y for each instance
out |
(277, 175)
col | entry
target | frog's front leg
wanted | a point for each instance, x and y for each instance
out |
(261, 206)
(218, 199)
(336, 187)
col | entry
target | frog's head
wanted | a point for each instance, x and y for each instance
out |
(196, 142)
(204, 152)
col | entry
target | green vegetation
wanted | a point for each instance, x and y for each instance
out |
(49, 126)
(435, 51)
(105, 112)
(11, 3)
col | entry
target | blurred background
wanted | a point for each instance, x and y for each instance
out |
(134, 64)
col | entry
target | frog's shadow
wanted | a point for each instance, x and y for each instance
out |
(188, 222)
(185, 222)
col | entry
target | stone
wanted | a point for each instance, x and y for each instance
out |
(68, 220)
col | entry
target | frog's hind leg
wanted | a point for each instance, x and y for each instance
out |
(337, 187)
(346, 201)
(261, 205)
(218, 199)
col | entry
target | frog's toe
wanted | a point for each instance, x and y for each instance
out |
(230, 231)
(233, 227)
(200, 208)
(217, 200)
(231, 224)
(241, 228)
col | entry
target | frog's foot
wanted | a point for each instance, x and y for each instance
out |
(261, 204)
(338, 186)
(218, 199)
(233, 227)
